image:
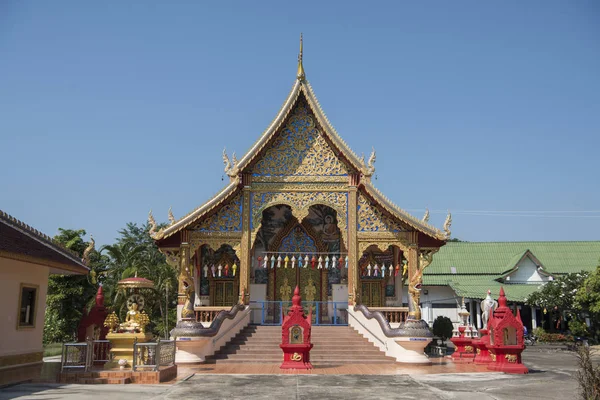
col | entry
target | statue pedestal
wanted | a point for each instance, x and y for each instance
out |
(121, 347)
(296, 356)
(414, 350)
(507, 359)
(464, 352)
(481, 347)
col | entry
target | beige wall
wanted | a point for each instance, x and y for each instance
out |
(12, 274)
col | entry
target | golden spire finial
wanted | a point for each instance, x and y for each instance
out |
(300, 75)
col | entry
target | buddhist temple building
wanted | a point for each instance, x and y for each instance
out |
(27, 258)
(301, 209)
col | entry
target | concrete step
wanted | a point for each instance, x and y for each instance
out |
(315, 350)
(332, 345)
(312, 360)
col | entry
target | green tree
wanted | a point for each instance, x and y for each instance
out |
(135, 254)
(559, 295)
(69, 295)
(442, 328)
(588, 300)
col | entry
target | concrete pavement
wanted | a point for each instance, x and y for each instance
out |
(552, 377)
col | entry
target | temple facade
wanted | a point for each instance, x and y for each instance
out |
(300, 209)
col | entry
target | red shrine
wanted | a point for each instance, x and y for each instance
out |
(506, 339)
(295, 336)
(92, 324)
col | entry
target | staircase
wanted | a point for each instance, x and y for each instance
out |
(333, 345)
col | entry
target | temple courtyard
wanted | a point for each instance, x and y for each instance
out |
(552, 376)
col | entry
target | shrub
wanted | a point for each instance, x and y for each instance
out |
(442, 327)
(578, 328)
(544, 336)
(588, 376)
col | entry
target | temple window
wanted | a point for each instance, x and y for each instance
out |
(27, 306)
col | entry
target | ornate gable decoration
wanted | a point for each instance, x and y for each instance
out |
(300, 153)
(371, 219)
(227, 219)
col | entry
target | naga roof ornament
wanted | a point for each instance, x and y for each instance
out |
(88, 250)
(426, 216)
(154, 234)
(371, 163)
(230, 169)
(171, 216)
(447, 225)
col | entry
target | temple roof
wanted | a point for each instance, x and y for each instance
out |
(300, 88)
(403, 215)
(197, 213)
(20, 241)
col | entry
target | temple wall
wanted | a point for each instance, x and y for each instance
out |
(21, 349)
(12, 274)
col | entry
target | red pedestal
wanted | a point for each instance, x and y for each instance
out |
(464, 352)
(295, 336)
(296, 356)
(508, 359)
(481, 348)
(506, 339)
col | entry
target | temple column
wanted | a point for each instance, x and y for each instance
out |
(414, 311)
(533, 317)
(184, 268)
(478, 310)
(353, 255)
(245, 256)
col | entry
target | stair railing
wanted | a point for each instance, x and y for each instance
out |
(153, 355)
(76, 356)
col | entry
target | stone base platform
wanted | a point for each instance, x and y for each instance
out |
(120, 377)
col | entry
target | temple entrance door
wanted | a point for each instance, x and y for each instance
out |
(297, 243)
(225, 293)
(372, 293)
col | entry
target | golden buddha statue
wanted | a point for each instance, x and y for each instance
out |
(131, 320)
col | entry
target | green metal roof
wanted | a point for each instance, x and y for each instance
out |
(478, 290)
(495, 258)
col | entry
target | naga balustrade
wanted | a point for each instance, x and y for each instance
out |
(208, 314)
(394, 315)
(153, 355)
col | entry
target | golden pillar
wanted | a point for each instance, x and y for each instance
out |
(245, 256)
(414, 312)
(353, 255)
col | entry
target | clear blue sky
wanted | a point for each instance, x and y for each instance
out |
(109, 109)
